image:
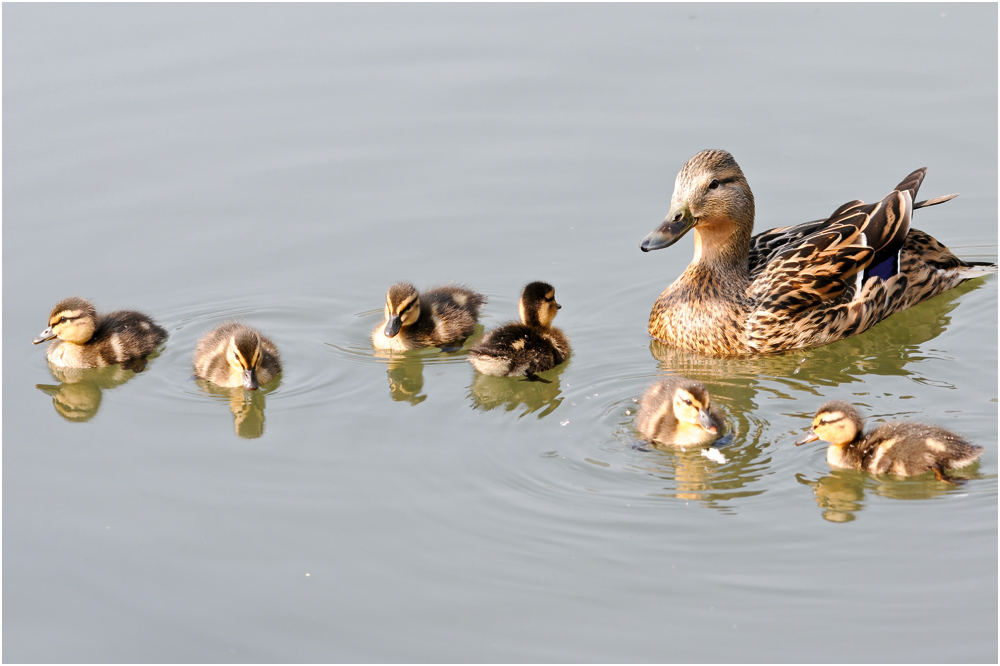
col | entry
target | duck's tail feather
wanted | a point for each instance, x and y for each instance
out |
(974, 269)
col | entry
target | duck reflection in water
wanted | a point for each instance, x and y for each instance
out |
(840, 495)
(488, 392)
(78, 395)
(247, 407)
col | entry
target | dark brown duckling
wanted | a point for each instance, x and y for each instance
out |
(905, 449)
(523, 349)
(234, 355)
(679, 412)
(436, 318)
(89, 340)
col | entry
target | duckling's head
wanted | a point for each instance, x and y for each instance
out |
(402, 308)
(538, 306)
(244, 355)
(692, 406)
(72, 320)
(712, 195)
(836, 422)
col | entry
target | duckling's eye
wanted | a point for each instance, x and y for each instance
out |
(61, 320)
(714, 185)
(686, 402)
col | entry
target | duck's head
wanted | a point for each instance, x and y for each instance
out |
(692, 405)
(836, 422)
(402, 308)
(712, 196)
(72, 320)
(538, 306)
(245, 355)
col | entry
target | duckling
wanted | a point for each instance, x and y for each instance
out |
(679, 412)
(791, 287)
(437, 318)
(236, 355)
(90, 340)
(534, 345)
(906, 449)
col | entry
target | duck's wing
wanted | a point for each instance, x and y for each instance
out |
(884, 226)
(818, 267)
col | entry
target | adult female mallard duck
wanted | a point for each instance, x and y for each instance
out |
(679, 412)
(89, 340)
(523, 349)
(905, 449)
(236, 355)
(791, 287)
(436, 318)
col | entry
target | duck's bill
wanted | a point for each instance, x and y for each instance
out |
(44, 336)
(392, 326)
(668, 233)
(706, 422)
(806, 438)
(250, 382)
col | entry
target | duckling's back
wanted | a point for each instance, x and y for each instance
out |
(514, 350)
(449, 314)
(909, 449)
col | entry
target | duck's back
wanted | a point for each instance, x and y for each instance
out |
(909, 449)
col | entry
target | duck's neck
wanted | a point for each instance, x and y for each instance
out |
(721, 246)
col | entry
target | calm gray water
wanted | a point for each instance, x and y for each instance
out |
(284, 164)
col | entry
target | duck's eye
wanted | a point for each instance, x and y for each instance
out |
(714, 185)
(686, 402)
(61, 320)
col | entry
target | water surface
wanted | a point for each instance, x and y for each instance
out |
(284, 164)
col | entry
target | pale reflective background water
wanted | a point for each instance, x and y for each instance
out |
(285, 164)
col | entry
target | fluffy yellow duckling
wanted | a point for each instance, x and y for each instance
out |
(791, 287)
(436, 318)
(89, 340)
(905, 449)
(534, 345)
(236, 355)
(679, 412)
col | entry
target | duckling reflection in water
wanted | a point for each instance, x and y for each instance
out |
(440, 317)
(235, 355)
(679, 412)
(89, 340)
(534, 345)
(904, 449)
(406, 379)
(247, 408)
(78, 395)
(488, 393)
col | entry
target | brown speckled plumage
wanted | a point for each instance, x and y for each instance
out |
(904, 449)
(791, 287)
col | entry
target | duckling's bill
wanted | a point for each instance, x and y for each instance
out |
(250, 379)
(806, 438)
(392, 326)
(44, 336)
